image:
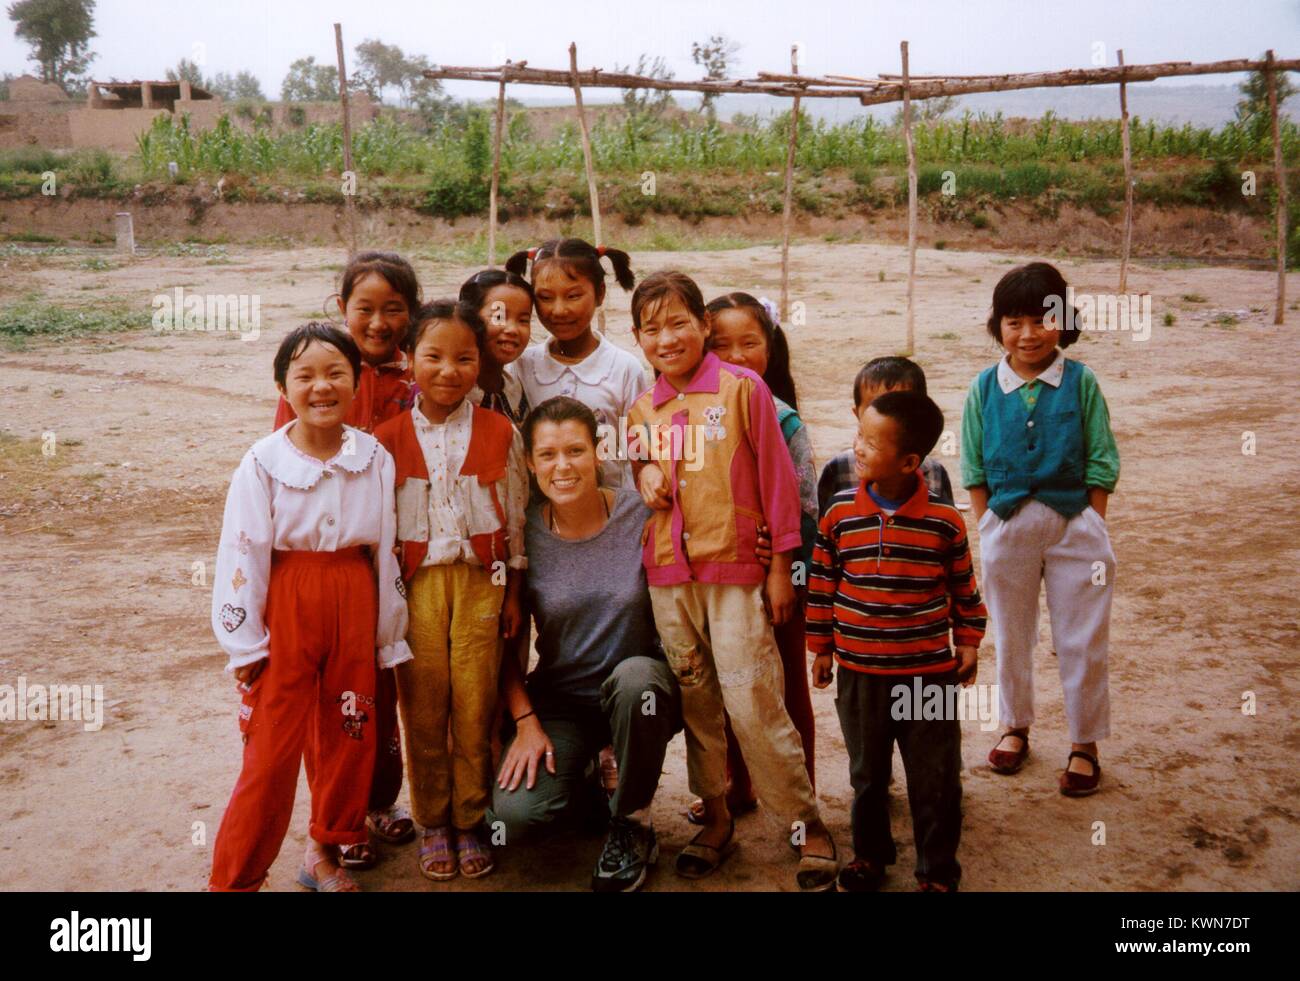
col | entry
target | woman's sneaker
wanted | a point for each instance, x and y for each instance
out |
(629, 851)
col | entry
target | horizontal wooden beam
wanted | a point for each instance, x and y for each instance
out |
(886, 88)
(938, 88)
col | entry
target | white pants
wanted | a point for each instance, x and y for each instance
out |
(1075, 560)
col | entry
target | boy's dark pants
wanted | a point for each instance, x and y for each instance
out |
(931, 751)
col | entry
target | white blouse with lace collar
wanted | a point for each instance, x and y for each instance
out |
(283, 499)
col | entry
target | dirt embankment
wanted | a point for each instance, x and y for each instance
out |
(1159, 232)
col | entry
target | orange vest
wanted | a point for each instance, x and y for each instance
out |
(490, 439)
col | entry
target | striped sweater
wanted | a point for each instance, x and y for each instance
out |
(884, 590)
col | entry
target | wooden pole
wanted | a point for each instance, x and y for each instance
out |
(349, 200)
(789, 194)
(1279, 175)
(496, 176)
(911, 206)
(586, 157)
(1128, 181)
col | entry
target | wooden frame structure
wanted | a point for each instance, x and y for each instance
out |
(876, 91)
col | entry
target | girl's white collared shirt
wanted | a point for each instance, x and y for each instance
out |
(607, 381)
(283, 499)
(460, 506)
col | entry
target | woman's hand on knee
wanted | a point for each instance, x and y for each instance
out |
(529, 748)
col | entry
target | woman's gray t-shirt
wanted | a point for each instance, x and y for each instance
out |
(589, 600)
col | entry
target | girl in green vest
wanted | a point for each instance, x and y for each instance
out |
(1039, 459)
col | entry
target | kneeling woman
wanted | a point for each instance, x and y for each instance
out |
(600, 678)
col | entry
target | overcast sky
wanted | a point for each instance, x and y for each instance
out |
(140, 39)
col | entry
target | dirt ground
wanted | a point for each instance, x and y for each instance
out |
(98, 545)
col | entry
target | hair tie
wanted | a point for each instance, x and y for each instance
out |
(532, 254)
(772, 313)
(600, 250)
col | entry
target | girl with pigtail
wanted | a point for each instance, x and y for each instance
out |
(568, 283)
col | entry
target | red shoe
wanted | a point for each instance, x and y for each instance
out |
(930, 885)
(1006, 762)
(1081, 784)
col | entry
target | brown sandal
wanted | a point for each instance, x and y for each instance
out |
(1081, 784)
(1008, 762)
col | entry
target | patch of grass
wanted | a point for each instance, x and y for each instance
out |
(1225, 320)
(947, 336)
(29, 160)
(1193, 298)
(97, 264)
(1168, 319)
(34, 318)
(195, 249)
(25, 469)
(31, 237)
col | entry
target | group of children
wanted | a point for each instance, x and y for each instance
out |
(372, 559)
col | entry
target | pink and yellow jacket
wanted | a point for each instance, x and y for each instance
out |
(720, 445)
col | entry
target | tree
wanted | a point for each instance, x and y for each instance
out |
(310, 82)
(188, 71)
(379, 65)
(642, 102)
(246, 86)
(58, 33)
(927, 110)
(417, 91)
(1252, 110)
(717, 55)
(236, 88)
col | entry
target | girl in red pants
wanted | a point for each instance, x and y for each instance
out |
(307, 594)
(378, 296)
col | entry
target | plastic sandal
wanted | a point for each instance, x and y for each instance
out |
(470, 847)
(435, 846)
(695, 861)
(817, 873)
(337, 881)
(358, 856)
(392, 825)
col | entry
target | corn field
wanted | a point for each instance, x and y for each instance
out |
(639, 143)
